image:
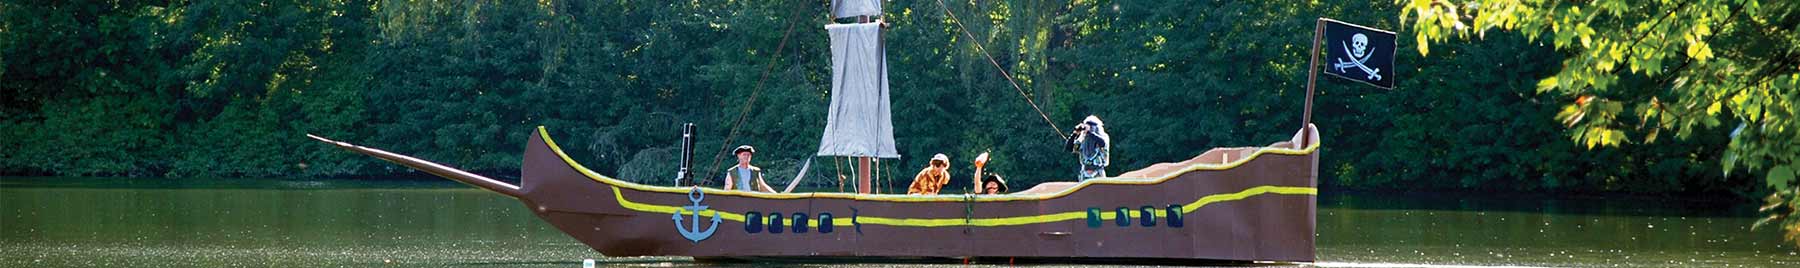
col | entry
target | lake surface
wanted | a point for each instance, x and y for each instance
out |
(79, 222)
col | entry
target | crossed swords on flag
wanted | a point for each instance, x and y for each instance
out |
(1358, 63)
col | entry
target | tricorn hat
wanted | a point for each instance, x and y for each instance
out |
(995, 178)
(744, 148)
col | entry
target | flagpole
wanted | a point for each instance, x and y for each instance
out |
(1312, 76)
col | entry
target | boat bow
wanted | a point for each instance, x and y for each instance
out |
(430, 167)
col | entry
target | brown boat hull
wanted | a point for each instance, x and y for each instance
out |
(1260, 209)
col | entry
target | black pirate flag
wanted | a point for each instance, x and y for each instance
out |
(1359, 53)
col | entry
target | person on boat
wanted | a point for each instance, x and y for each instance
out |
(992, 184)
(743, 176)
(933, 178)
(1092, 145)
(975, 181)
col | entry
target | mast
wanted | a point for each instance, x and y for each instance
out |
(859, 123)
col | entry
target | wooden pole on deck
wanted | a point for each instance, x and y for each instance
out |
(1312, 76)
(837, 164)
(862, 175)
(862, 163)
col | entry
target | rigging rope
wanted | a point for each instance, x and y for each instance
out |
(1003, 73)
(781, 47)
(753, 94)
(890, 172)
(837, 163)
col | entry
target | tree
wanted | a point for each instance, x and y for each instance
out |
(81, 94)
(1635, 71)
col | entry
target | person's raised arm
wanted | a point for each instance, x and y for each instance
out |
(980, 161)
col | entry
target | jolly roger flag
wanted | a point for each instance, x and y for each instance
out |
(1359, 53)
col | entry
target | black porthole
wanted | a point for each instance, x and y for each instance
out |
(775, 223)
(800, 223)
(825, 222)
(753, 222)
(1148, 219)
(1093, 218)
(1174, 216)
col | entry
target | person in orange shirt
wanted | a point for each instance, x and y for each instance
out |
(933, 178)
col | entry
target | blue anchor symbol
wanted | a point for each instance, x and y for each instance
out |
(694, 233)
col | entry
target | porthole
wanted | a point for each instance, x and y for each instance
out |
(1148, 217)
(775, 223)
(1093, 218)
(753, 222)
(800, 223)
(1174, 216)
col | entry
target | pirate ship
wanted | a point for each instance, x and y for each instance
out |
(1234, 204)
(1226, 204)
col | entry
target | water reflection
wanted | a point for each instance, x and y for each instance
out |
(64, 222)
(1633, 232)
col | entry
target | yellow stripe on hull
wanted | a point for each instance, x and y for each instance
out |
(990, 222)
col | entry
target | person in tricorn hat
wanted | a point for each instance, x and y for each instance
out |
(932, 178)
(743, 176)
(975, 186)
(992, 184)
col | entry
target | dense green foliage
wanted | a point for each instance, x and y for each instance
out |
(1639, 70)
(221, 88)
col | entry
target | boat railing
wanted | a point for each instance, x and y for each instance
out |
(1213, 159)
(1222, 156)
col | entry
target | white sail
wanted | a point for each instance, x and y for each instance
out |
(859, 122)
(852, 8)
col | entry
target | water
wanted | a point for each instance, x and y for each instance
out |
(73, 222)
(1568, 233)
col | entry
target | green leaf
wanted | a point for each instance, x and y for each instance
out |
(1653, 66)
(1730, 161)
(1424, 44)
(1546, 84)
(1706, 52)
(1586, 34)
(1617, 52)
(1698, 49)
(1780, 177)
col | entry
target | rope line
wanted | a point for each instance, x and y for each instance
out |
(997, 67)
(767, 68)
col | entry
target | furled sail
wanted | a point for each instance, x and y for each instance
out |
(859, 122)
(852, 8)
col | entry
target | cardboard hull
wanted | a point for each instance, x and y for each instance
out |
(1260, 208)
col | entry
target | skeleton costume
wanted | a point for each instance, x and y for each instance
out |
(1094, 148)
